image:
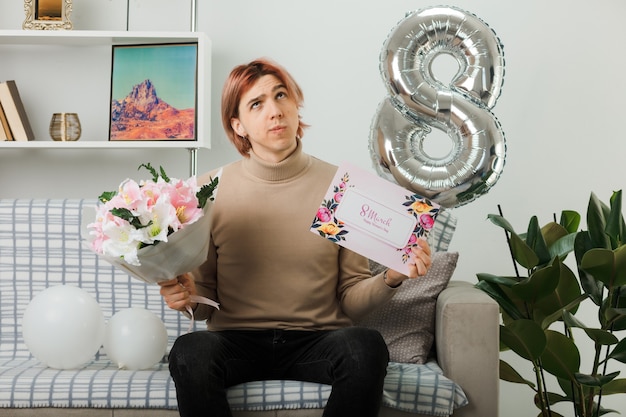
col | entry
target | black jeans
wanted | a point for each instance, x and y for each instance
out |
(353, 360)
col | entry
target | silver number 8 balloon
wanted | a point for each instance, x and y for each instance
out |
(417, 101)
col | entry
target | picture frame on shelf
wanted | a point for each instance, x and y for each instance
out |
(47, 14)
(154, 92)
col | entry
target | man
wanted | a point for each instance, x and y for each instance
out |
(287, 297)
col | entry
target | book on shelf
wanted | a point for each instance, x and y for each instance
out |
(5, 130)
(15, 112)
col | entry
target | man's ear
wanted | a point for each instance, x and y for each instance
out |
(238, 127)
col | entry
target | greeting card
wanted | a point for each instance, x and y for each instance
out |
(373, 216)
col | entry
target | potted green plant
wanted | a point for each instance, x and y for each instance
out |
(539, 307)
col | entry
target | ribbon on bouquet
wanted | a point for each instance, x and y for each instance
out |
(200, 300)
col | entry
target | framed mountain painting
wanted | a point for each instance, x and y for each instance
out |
(154, 92)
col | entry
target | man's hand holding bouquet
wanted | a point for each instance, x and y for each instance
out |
(155, 230)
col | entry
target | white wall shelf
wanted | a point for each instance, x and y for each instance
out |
(70, 71)
(98, 144)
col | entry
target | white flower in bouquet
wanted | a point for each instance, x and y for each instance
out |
(133, 220)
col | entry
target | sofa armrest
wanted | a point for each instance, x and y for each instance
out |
(468, 348)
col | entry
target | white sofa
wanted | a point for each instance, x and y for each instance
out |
(39, 248)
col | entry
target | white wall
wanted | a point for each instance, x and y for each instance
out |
(561, 107)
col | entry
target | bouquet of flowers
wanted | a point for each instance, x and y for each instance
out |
(154, 230)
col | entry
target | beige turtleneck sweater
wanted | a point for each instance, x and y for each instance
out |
(265, 268)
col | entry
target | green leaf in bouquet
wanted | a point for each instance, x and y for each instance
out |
(206, 192)
(128, 215)
(107, 196)
(150, 168)
(155, 174)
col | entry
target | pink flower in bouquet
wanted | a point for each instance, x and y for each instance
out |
(146, 213)
(183, 198)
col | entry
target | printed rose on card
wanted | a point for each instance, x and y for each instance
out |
(373, 217)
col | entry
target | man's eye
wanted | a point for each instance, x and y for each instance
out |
(281, 94)
(255, 104)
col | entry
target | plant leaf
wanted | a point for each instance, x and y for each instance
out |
(548, 320)
(599, 263)
(163, 174)
(616, 317)
(540, 284)
(206, 192)
(561, 357)
(555, 398)
(567, 291)
(615, 221)
(497, 279)
(551, 397)
(595, 380)
(570, 220)
(620, 266)
(150, 168)
(525, 338)
(552, 232)
(507, 373)
(599, 336)
(522, 253)
(107, 196)
(608, 266)
(536, 241)
(501, 222)
(616, 386)
(596, 222)
(619, 352)
(591, 286)
(496, 293)
(563, 246)
(128, 215)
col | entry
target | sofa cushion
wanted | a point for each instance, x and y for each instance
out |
(407, 322)
(26, 383)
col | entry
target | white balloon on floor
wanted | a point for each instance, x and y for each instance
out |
(135, 338)
(63, 326)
